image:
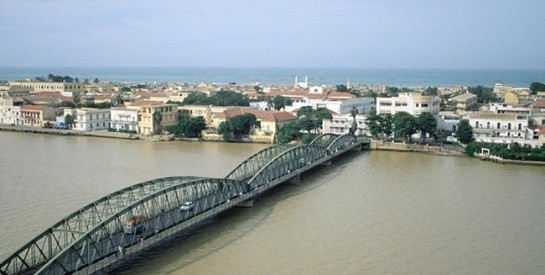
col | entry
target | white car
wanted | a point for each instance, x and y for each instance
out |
(186, 206)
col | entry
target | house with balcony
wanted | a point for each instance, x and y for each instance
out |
(504, 128)
(123, 119)
(146, 109)
(412, 103)
(36, 116)
(90, 119)
(341, 124)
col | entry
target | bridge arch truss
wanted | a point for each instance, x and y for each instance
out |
(287, 162)
(75, 241)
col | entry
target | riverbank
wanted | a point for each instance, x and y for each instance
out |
(501, 160)
(443, 150)
(50, 131)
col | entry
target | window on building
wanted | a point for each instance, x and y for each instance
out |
(488, 125)
(476, 124)
(499, 126)
(509, 126)
(520, 127)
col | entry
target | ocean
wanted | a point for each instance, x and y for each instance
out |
(316, 76)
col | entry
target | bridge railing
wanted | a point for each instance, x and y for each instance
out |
(161, 210)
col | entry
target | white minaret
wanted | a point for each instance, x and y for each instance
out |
(296, 84)
(306, 81)
(348, 83)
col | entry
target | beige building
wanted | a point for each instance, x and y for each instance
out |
(464, 102)
(207, 112)
(46, 86)
(501, 89)
(36, 116)
(269, 123)
(146, 109)
(412, 103)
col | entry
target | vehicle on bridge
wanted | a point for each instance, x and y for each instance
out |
(186, 206)
(135, 225)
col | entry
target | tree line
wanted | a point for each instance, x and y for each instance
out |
(60, 78)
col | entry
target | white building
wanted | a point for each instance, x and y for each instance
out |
(505, 128)
(9, 114)
(341, 124)
(90, 119)
(123, 119)
(448, 121)
(412, 103)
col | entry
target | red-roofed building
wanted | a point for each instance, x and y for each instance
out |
(269, 123)
(317, 97)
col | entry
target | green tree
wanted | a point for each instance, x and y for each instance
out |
(96, 81)
(405, 125)
(464, 133)
(188, 127)
(341, 88)
(372, 122)
(386, 124)
(430, 91)
(237, 126)
(310, 119)
(289, 133)
(426, 124)
(69, 121)
(537, 87)
(157, 117)
(197, 98)
(257, 89)
(484, 94)
(280, 102)
(230, 98)
(76, 97)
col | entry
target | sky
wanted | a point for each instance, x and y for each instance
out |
(447, 34)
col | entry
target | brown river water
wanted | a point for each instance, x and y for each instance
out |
(371, 212)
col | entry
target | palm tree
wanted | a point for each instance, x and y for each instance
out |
(354, 113)
(157, 118)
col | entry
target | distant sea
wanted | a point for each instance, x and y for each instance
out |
(316, 76)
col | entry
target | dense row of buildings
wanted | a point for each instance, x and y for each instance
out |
(519, 118)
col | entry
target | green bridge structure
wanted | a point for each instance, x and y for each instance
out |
(107, 231)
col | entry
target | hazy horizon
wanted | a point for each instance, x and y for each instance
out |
(367, 34)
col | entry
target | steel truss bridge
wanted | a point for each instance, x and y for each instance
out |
(96, 237)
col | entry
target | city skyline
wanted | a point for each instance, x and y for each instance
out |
(346, 34)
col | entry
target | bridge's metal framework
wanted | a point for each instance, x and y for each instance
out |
(96, 231)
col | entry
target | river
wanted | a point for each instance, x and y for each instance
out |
(371, 212)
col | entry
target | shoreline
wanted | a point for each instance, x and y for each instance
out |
(62, 132)
(380, 145)
(417, 148)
